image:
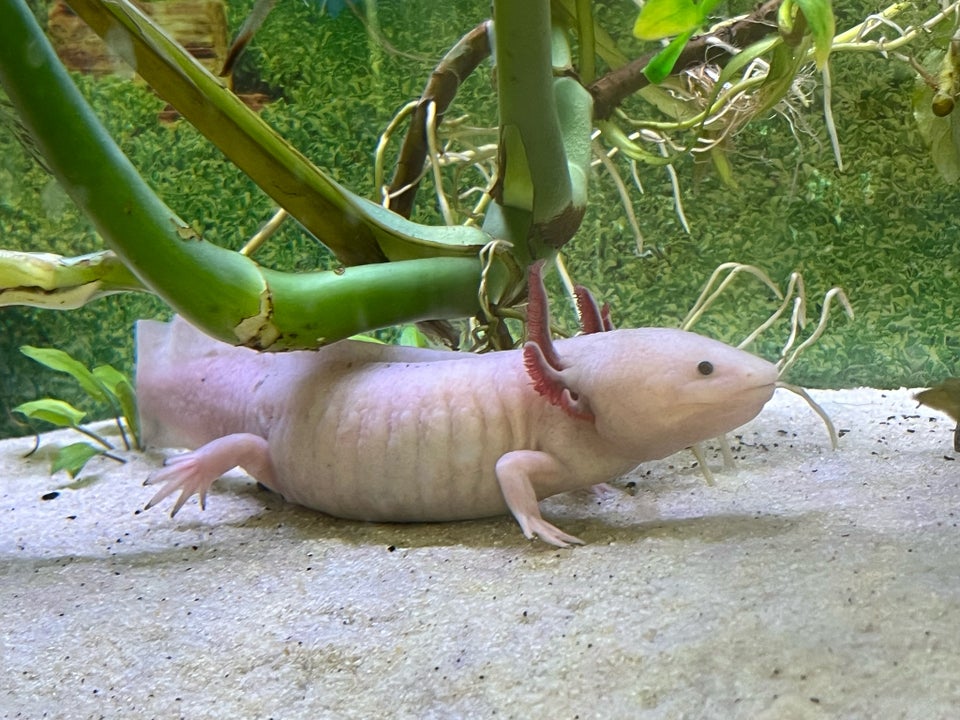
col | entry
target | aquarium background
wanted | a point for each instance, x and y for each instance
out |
(883, 229)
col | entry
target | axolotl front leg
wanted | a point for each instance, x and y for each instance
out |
(518, 473)
(521, 471)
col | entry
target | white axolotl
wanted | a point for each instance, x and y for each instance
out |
(386, 433)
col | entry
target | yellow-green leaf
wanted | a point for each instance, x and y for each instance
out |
(820, 20)
(785, 63)
(412, 337)
(120, 387)
(662, 63)
(61, 362)
(56, 412)
(663, 18)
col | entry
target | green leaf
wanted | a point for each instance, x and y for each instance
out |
(785, 63)
(118, 385)
(517, 179)
(56, 412)
(663, 18)
(61, 362)
(819, 15)
(73, 457)
(568, 12)
(662, 63)
(722, 164)
(367, 338)
(412, 337)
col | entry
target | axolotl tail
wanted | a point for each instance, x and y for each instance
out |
(163, 351)
(188, 390)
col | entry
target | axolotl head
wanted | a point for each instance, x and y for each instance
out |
(651, 392)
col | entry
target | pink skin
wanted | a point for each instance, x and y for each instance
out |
(388, 433)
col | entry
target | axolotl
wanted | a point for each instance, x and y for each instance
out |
(399, 434)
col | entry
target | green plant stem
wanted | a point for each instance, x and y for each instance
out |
(533, 164)
(100, 179)
(94, 436)
(587, 36)
(118, 419)
(224, 293)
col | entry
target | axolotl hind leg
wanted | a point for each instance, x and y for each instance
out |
(194, 472)
(518, 472)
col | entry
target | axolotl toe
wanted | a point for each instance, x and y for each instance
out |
(386, 433)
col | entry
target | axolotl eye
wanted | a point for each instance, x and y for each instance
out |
(705, 367)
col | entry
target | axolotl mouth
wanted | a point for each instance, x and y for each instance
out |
(755, 398)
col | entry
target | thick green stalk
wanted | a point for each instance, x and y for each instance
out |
(545, 127)
(532, 159)
(225, 293)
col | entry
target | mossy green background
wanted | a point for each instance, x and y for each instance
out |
(884, 228)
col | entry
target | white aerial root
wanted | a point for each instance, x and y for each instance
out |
(697, 451)
(481, 206)
(602, 155)
(785, 362)
(675, 185)
(488, 254)
(379, 153)
(440, 155)
(707, 298)
(794, 296)
(828, 115)
(817, 408)
(434, 156)
(565, 278)
(854, 38)
(264, 233)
